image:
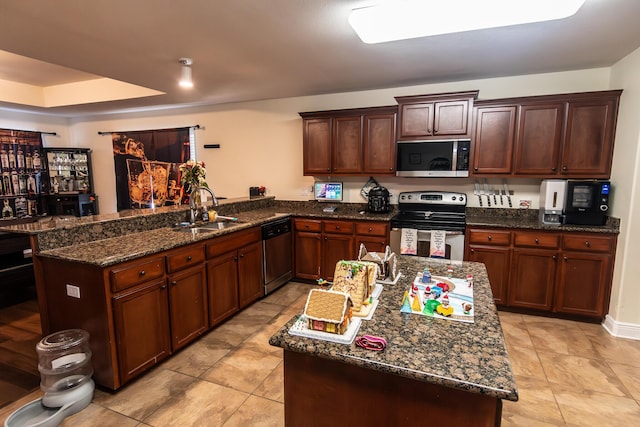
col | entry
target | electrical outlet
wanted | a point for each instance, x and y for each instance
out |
(73, 291)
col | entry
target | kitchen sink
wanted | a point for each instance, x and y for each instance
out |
(207, 227)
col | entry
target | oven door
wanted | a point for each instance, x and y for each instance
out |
(454, 243)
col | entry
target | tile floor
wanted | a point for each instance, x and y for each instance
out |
(568, 374)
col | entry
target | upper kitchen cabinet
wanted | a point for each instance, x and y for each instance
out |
(438, 116)
(349, 142)
(554, 136)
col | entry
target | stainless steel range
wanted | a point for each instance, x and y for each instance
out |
(426, 211)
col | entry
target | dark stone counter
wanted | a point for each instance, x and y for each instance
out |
(469, 357)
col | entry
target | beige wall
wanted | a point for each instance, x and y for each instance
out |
(626, 200)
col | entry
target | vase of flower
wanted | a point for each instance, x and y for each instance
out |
(193, 176)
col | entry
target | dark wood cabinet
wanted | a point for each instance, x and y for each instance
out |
(347, 145)
(492, 248)
(551, 136)
(141, 328)
(189, 313)
(588, 142)
(349, 142)
(538, 139)
(435, 116)
(234, 260)
(316, 148)
(494, 139)
(250, 286)
(586, 264)
(222, 280)
(320, 244)
(547, 271)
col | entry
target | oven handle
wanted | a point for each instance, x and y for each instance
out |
(447, 232)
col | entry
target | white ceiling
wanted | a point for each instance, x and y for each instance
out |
(260, 49)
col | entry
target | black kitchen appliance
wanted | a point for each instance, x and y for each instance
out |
(433, 158)
(378, 200)
(586, 202)
(277, 255)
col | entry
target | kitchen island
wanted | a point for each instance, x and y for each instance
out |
(432, 372)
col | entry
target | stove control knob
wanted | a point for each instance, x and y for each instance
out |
(461, 198)
(453, 198)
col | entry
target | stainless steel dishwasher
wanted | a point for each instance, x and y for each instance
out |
(277, 256)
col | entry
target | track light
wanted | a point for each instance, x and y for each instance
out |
(185, 75)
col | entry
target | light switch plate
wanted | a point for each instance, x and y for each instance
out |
(73, 291)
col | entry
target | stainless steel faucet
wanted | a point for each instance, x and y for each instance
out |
(192, 203)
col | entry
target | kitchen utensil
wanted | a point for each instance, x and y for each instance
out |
(493, 191)
(486, 191)
(476, 191)
(507, 193)
(228, 218)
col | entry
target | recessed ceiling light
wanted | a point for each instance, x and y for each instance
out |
(185, 74)
(406, 19)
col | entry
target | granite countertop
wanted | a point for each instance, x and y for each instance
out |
(470, 357)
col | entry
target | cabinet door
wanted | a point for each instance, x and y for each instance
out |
(250, 283)
(335, 247)
(317, 146)
(307, 255)
(583, 284)
(538, 139)
(451, 118)
(380, 144)
(416, 120)
(347, 145)
(494, 139)
(142, 328)
(188, 305)
(222, 282)
(497, 259)
(532, 278)
(588, 142)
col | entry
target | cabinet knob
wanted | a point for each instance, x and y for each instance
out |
(554, 257)
(475, 169)
(163, 287)
(370, 229)
(537, 241)
(142, 273)
(566, 259)
(337, 227)
(189, 258)
(587, 244)
(241, 255)
(328, 169)
(564, 168)
(472, 251)
(235, 258)
(489, 237)
(553, 169)
(390, 169)
(174, 283)
(325, 238)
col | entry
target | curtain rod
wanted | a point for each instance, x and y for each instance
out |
(109, 133)
(37, 131)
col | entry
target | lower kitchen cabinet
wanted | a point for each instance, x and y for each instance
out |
(140, 312)
(189, 312)
(141, 328)
(320, 244)
(222, 273)
(547, 271)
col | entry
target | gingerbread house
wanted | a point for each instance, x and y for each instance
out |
(352, 278)
(328, 311)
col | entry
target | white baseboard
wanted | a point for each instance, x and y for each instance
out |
(621, 329)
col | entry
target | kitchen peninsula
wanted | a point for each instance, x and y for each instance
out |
(432, 371)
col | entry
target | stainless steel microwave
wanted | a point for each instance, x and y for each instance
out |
(448, 158)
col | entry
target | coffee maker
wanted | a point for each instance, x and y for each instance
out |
(552, 200)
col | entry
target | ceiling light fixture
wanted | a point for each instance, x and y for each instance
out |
(185, 75)
(406, 19)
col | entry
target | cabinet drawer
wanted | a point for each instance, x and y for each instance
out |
(492, 237)
(537, 240)
(588, 243)
(380, 229)
(236, 240)
(338, 227)
(308, 225)
(130, 274)
(185, 258)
